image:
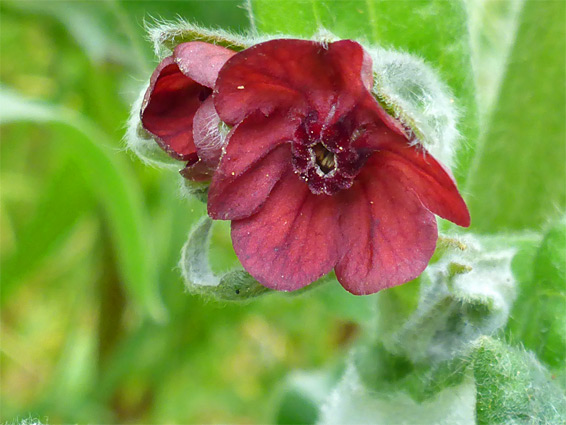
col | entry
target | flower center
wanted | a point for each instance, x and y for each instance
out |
(323, 156)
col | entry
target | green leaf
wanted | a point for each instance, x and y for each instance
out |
(384, 372)
(114, 30)
(93, 26)
(513, 388)
(517, 176)
(509, 386)
(493, 30)
(111, 181)
(538, 319)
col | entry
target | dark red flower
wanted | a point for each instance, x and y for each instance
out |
(316, 175)
(178, 109)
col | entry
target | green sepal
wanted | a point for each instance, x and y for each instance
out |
(411, 91)
(235, 285)
(167, 35)
(197, 189)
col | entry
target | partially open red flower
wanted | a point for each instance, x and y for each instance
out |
(316, 175)
(178, 109)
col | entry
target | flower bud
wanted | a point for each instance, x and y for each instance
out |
(141, 142)
(466, 294)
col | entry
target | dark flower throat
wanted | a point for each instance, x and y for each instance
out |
(323, 156)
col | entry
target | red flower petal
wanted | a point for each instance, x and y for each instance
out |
(169, 106)
(201, 61)
(250, 166)
(292, 240)
(431, 181)
(289, 74)
(207, 138)
(240, 196)
(375, 126)
(388, 236)
(370, 109)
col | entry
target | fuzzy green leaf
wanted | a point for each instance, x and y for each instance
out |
(538, 319)
(513, 388)
(517, 175)
(509, 386)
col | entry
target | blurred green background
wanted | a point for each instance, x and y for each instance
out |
(95, 323)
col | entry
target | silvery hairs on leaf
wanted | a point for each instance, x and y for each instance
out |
(352, 402)
(463, 296)
(235, 285)
(513, 387)
(412, 92)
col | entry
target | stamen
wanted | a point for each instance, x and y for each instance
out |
(324, 158)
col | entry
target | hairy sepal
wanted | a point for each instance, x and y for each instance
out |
(166, 35)
(413, 93)
(235, 285)
(190, 188)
